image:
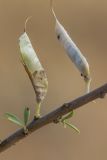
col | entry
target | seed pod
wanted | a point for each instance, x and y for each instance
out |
(28, 54)
(34, 69)
(72, 50)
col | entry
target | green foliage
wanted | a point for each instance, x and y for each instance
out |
(22, 123)
(71, 126)
(26, 115)
(66, 123)
(67, 116)
(13, 118)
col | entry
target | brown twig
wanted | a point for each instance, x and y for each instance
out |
(53, 116)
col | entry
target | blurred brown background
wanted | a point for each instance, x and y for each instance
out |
(86, 22)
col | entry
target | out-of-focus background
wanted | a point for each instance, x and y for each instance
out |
(86, 22)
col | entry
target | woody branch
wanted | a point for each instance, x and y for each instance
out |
(53, 116)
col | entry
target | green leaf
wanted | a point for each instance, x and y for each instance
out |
(26, 115)
(72, 126)
(69, 115)
(13, 118)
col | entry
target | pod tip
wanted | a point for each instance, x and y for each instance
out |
(27, 19)
(51, 6)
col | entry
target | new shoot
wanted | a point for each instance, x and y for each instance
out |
(22, 123)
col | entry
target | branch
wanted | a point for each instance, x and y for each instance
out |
(53, 116)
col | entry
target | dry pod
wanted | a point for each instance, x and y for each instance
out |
(34, 69)
(72, 50)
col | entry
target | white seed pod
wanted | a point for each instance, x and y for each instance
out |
(28, 54)
(72, 50)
